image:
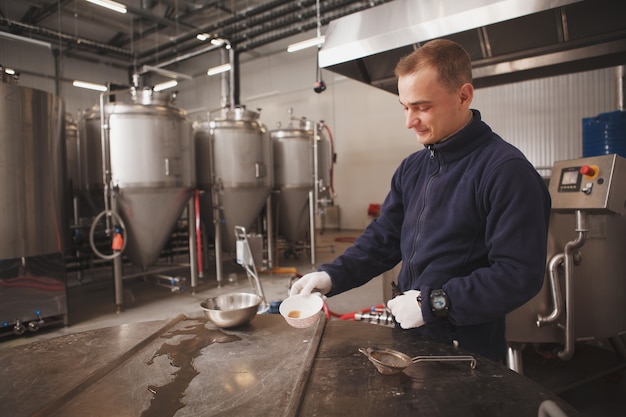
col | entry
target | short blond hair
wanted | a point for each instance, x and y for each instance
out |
(450, 59)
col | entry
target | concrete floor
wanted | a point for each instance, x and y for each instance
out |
(91, 305)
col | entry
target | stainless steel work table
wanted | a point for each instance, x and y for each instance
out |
(187, 367)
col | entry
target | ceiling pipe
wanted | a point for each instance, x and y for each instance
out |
(247, 29)
(309, 24)
(245, 38)
(51, 35)
(217, 28)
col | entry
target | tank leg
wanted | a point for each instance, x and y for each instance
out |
(514, 358)
(617, 343)
(119, 286)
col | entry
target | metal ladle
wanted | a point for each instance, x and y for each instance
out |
(389, 361)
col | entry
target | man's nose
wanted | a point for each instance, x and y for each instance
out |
(411, 120)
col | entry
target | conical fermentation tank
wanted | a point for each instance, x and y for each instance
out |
(233, 157)
(152, 166)
(296, 167)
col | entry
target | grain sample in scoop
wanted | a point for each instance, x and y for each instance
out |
(301, 311)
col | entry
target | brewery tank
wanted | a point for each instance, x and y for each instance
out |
(592, 297)
(233, 155)
(295, 170)
(34, 220)
(32, 172)
(151, 162)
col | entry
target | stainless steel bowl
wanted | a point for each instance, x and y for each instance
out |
(231, 310)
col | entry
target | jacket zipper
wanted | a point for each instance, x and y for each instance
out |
(433, 155)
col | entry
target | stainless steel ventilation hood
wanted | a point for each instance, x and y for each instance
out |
(508, 40)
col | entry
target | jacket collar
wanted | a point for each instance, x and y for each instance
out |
(465, 141)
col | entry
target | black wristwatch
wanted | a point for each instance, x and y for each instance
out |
(439, 303)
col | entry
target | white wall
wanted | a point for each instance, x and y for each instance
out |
(542, 117)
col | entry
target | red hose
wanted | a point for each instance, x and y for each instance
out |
(198, 231)
(350, 316)
(47, 284)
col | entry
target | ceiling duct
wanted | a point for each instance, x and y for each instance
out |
(508, 40)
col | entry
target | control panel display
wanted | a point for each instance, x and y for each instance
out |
(570, 179)
(596, 183)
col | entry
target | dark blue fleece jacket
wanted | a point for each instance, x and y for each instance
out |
(469, 215)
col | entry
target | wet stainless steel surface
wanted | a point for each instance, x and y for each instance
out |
(186, 367)
(344, 383)
(189, 367)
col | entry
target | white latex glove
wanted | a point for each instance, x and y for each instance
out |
(406, 310)
(314, 281)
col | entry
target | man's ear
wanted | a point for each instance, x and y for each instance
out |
(466, 94)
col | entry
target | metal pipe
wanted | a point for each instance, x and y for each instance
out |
(215, 202)
(157, 270)
(232, 76)
(549, 408)
(270, 231)
(570, 247)
(105, 159)
(312, 227)
(621, 86)
(555, 290)
(514, 358)
(118, 275)
(186, 56)
(316, 183)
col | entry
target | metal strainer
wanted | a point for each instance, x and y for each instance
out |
(389, 361)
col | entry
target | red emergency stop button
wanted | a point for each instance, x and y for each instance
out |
(589, 170)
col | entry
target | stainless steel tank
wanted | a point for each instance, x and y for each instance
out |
(233, 157)
(294, 174)
(599, 285)
(33, 209)
(32, 172)
(152, 165)
(588, 197)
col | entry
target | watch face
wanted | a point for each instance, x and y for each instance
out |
(438, 302)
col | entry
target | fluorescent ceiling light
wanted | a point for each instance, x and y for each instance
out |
(165, 85)
(109, 4)
(306, 44)
(90, 86)
(218, 69)
(13, 37)
(167, 73)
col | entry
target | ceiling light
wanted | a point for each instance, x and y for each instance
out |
(165, 85)
(318, 41)
(203, 36)
(90, 86)
(218, 69)
(13, 37)
(167, 73)
(9, 71)
(109, 4)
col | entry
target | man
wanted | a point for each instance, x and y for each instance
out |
(467, 216)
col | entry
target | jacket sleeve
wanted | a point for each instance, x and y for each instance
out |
(377, 250)
(517, 206)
